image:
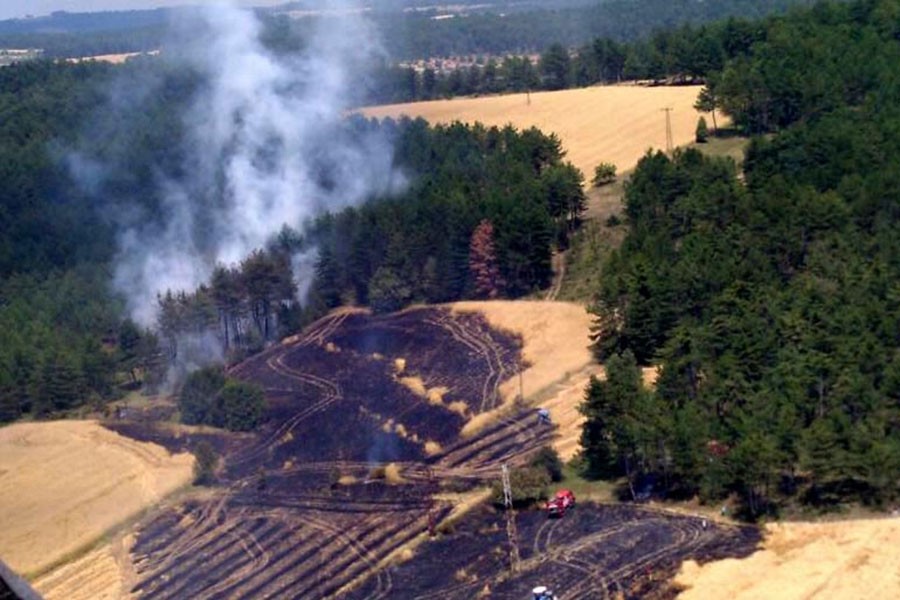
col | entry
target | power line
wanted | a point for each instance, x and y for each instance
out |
(511, 532)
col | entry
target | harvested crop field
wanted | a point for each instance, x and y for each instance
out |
(361, 461)
(598, 124)
(836, 560)
(95, 576)
(63, 484)
(559, 364)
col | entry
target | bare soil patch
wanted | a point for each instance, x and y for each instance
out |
(65, 483)
(615, 124)
(837, 560)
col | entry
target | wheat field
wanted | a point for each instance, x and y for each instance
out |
(64, 484)
(616, 124)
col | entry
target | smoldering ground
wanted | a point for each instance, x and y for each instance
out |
(204, 154)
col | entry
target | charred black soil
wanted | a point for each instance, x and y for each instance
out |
(344, 472)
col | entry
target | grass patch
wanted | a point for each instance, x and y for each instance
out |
(591, 246)
(725, 144)
(587, 489)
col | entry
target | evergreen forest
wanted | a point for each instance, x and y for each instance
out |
(767, 296)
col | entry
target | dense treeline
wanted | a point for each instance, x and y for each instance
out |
(64, 339)
(42, 107)
(59, 341)
(481, 216)
(406, 35)
(689, 53)
(420, 246)
(94, 43)
(58, 326)
(771, 307)
(413, 35)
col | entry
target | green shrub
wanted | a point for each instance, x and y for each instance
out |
(209, 398)
(604, 173)
(548, 459)
(198, 398)
(206, 461)
(241, 405)
(529, 486)
(702, 133)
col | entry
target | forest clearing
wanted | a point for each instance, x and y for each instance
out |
(63, 484)
(616, 124)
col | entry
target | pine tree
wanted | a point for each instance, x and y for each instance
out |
(701, 135)
(483, 262)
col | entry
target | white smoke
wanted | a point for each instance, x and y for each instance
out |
(261, 134)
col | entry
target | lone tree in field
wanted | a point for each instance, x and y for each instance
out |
(206, 461)
(604, 173)
(706, 102)
(701, 136)
(483, 261)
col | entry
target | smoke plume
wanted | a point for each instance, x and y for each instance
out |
(264, 148)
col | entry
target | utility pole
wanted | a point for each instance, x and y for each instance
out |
(670, 145)
(511, 532)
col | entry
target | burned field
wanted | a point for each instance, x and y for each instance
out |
(593, 552)
(361, 436)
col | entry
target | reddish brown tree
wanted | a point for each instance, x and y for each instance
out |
(483, 262)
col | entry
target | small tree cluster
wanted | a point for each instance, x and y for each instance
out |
(529, 486)
(243, 306)
(209, 398)
(548, 459)
(483, 262)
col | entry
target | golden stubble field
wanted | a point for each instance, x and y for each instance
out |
(615, 123)
(841, 560)
(64, 484)
(556, 347)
